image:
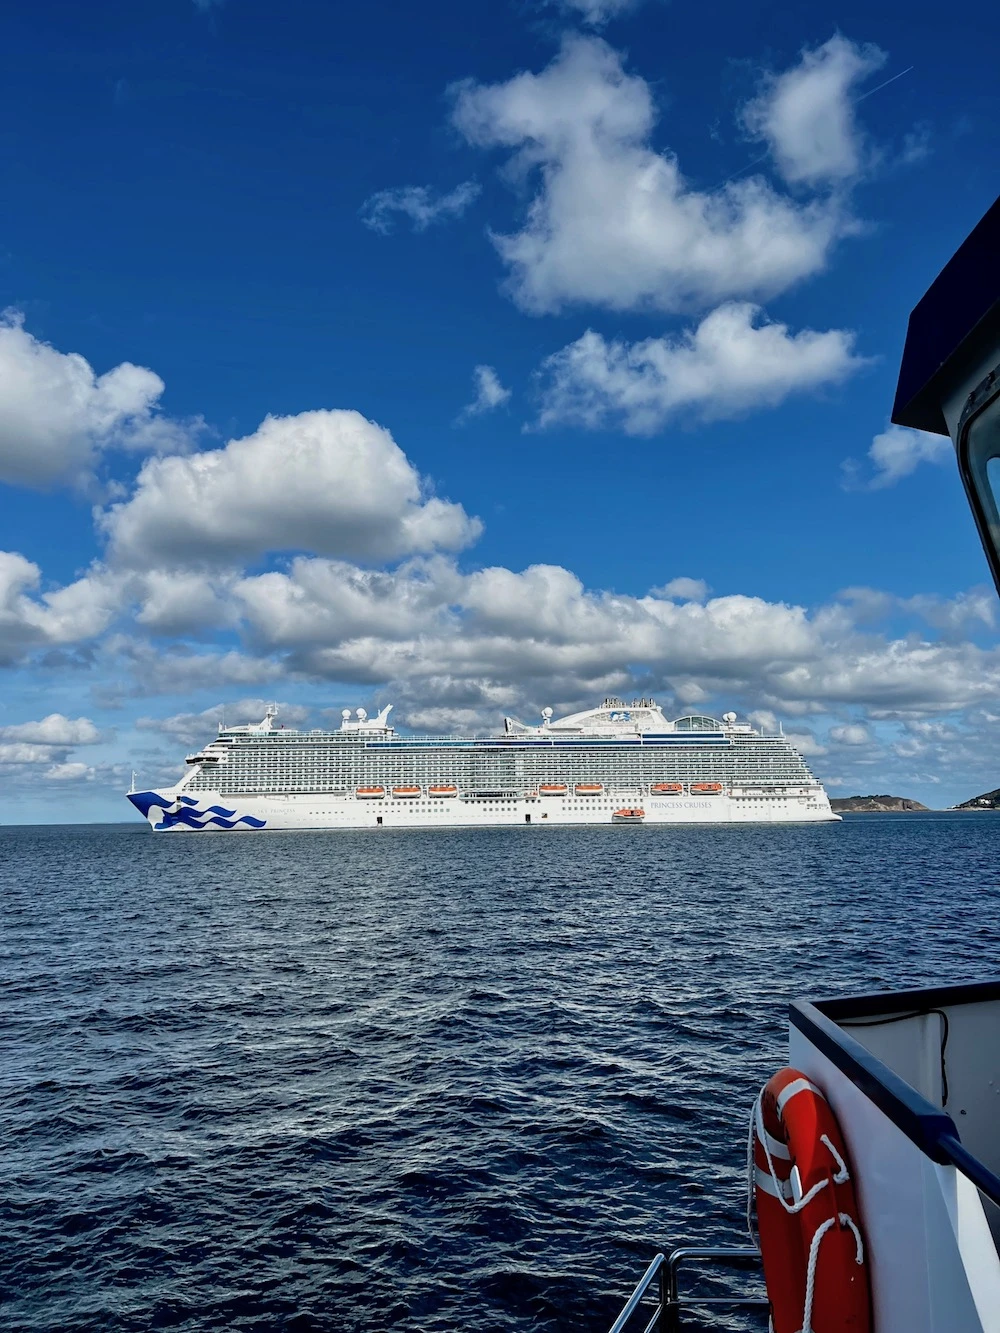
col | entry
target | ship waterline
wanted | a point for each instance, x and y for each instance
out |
(585, 768)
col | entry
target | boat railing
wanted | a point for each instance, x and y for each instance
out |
(661, 1282)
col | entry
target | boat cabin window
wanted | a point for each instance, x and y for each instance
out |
(979, 464)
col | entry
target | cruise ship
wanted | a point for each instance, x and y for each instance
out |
(621, 763)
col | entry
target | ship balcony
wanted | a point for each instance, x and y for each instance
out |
(914, 1079)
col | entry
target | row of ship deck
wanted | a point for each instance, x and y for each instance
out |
(557, 789)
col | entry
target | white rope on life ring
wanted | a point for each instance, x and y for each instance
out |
(772, 1149)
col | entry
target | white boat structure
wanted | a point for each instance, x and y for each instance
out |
(913, 1079)
(874, 1157)
(620, 763)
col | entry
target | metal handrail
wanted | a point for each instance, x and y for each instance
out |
(666, 1316)
(971, 1167)
(633, 1302)
(674, 1302)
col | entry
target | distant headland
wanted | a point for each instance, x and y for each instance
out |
(876, 804)
(990, 800)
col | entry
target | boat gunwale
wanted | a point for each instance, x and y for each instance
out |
(928, 1126)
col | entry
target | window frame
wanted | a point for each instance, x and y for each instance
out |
(972, 467)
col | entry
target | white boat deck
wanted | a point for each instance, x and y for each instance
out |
(914, 1079)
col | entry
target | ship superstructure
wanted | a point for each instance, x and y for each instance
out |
(621, 762)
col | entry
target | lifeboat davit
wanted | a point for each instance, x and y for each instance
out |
(406, 793)
(667, 788)
(815, 1264)
(369, 793)
(588, 788)
(706, 788)
(628, 814)
(442, 791)
(552, 789)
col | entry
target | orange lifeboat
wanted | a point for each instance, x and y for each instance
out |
(628, 814)
(706, 788)
(406, 793)
(552, 789)
(667, 788)
(442, 791)
(369, 793)
(815, 1261)
(589, 788)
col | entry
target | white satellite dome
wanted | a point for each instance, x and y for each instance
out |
(362, 714)
(345, 713)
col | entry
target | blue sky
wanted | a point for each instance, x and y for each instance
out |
(578, 326)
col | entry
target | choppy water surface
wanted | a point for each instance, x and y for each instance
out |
(428, 1081)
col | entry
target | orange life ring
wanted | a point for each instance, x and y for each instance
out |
(815, 1264)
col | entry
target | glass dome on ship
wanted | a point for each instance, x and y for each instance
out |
(622, 762)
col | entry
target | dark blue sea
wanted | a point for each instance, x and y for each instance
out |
(455, 1080)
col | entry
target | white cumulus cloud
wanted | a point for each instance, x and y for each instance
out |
(57, 413)
(684, 589)
(806, 744)
(14, 753)
(181, 602)
(181, 669)
(503, 627)
(732, 362)
(851, 733)
(613, 222)
(490, 393)
(324, 481)
(896, 453)
(54, 730)
(74, 771)
(419, 204)
(954, 616)
(806, 114)
(28, 620)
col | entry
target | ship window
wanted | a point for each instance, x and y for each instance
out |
(697, 723)
(979, 464)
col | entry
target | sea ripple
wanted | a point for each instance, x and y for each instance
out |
(460, 1079)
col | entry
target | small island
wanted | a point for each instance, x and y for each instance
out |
(990, 800)
(875, 805)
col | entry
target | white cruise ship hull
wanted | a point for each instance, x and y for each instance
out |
(616, 764)
(176, 810)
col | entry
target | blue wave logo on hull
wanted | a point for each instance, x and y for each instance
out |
(185, 812)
